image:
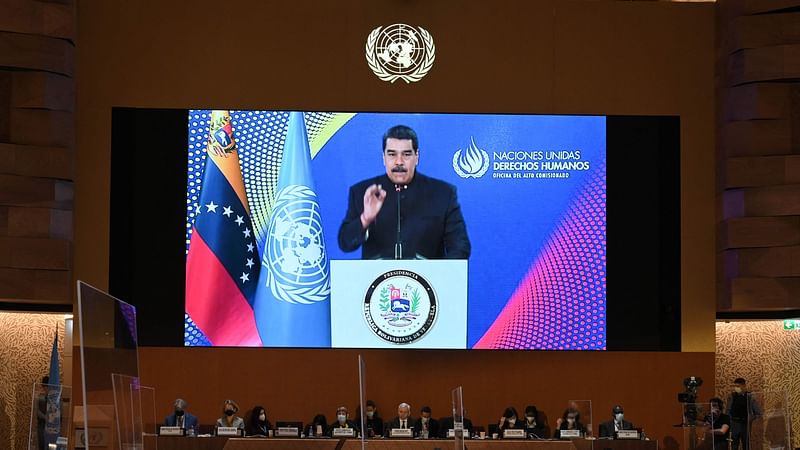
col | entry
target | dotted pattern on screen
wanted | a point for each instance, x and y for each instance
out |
(192, 335)
(560, 304)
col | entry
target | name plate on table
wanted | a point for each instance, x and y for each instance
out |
(514, 434)
(228, 431)
(401, 433)
(291, 432)
(628, 434)
(343, 432)
(570, 434)
(451, 433)
(171, 431)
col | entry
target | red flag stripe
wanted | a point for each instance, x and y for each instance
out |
(213, 300)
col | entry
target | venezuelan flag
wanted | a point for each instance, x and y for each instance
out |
(222, 267)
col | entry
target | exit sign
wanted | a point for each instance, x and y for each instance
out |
(791, 324)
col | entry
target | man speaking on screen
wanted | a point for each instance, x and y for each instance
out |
(404, 214)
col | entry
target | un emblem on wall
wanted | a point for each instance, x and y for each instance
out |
(295, 258)
(400, 51)
(400, 307)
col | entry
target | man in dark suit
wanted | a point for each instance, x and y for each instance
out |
(431, 224)
(403, 420)
(180, 417)
(427, 426)
(446, 424)
(609, 429)
(343, 421)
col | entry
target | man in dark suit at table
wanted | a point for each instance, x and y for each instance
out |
(430, 222)
(402, 421)
(446, 424)
(427, 426)
(609, 429)
(180, 417)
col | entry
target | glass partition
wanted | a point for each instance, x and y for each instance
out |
(51, 417)
(768, 424)
(108, 346)
(698, 423)
(581, 410)
(145, 405)
(362, 400)
(457, 396)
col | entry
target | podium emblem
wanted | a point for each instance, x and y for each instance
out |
(400, 307)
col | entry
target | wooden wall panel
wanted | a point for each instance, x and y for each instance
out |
(37, 136)
(758, 65)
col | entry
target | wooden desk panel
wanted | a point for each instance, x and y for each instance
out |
(223, 443)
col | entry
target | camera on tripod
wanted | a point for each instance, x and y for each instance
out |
(688, 397)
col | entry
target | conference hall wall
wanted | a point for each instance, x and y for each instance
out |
(603, 58)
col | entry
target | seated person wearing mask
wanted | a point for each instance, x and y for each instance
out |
(719, 424)
(180, 417)
(372, 420)
(427, 426)
(610, 428)
(403, 420)
(342, 421)
(258, 425)
(229, 419)
(446, 424)
(570, 420)
(509, 420)
(534, 428)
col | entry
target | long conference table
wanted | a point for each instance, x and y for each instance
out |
(223, 443)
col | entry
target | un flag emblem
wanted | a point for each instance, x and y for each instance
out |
(295, 257)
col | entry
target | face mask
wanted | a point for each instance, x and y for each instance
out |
(341, 418)
(370, 414)
(425, 420)
(619, 417)
(262, 417)
(178, 412)
(531, 418)
(570, 420)
(738, 390)
(228, 412)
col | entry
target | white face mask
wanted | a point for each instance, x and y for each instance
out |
(619, 417)
(341, 418)
(262, 417)
(531, 418)
(425, 420)
(370, 414)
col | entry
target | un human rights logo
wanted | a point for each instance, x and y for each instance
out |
(295, 257)
(472, 162)
(400, 51)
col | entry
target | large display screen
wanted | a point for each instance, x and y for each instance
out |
(268, 191)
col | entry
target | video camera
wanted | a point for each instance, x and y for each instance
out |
(690, 394)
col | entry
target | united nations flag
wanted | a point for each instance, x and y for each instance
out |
(292, 305)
